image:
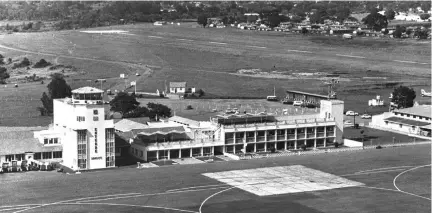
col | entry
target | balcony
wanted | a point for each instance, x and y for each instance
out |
(229, 140)
(270, 137)
(311, 135)
(301, 135)
(250, 139)
(260, 138)
(281, 137)
(239, 140)
(291, 136)
(320, 134)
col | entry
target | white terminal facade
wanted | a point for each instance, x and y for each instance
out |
(180, 137)
(82, 138)
(86, 136)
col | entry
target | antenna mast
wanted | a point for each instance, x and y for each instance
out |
(331, 84)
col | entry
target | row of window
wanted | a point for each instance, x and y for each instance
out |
(51, 140)
(281, 132)
(37, 156)
(95, 138)
(413, 116)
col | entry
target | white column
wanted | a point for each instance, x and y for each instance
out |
(315, 143)
(265, 135)
(234, 149)
(202, 151)
(255, 147)
(168, 154)
(179, 156)
(285, 145)
(190, 152)
(157, 155)
(325, 142)
(295, 144)
(255, 136)
(265, 146)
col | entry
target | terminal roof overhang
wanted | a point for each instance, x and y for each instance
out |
(160, 131)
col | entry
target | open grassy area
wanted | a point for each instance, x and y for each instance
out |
(214, 67)
(376, 136)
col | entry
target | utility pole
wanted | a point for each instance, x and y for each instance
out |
(101, 80)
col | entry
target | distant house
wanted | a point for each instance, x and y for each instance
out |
(181, 87)
(214, 21)
(177, 87)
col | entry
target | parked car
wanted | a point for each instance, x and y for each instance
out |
(297, 103)
(348, 122)
(351, 113)
(366, 116)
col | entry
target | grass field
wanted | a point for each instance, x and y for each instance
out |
(376, 137)
(376, 180)
(210, 58)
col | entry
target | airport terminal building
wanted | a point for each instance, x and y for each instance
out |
(177, 138)
(82, 137)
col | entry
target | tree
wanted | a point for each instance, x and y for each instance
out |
(274, 20)
(420, 33)
(200, 92)
(425, 16)
(47, 104)
(124, 103)
(304, 30)
(375, 20)
(158, 110)
(390, 14)
(403, 97)
(57, 88)
(398, 32)
(3, 75)
(202, 20)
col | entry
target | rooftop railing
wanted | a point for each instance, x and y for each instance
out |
(287, 122)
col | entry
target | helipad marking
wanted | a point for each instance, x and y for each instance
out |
(350, 56)
(281, 180)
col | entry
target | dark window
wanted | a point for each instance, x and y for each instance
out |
(37, 156)
(45, 140)
(95, 118)
(95, 112)
(58, 154)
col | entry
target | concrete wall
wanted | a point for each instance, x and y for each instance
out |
(334, 108)
(352, 143)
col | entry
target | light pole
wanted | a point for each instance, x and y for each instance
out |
(101, 80)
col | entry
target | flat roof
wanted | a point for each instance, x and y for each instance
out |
(407, 121)
(125, 125)
(421, 110)
(183, 120)
(87, 90)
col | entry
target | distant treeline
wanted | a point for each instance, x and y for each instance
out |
(85, 14)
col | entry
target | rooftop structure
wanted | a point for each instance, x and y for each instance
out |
(420, 110)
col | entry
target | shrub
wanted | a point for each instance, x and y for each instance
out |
(379, 147)
(189, 107)
(356, 126)
(336, 145)
(41, 64)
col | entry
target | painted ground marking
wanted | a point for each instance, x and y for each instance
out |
(300, 51)
(284, 180)
(212, 42)
(350, 56)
